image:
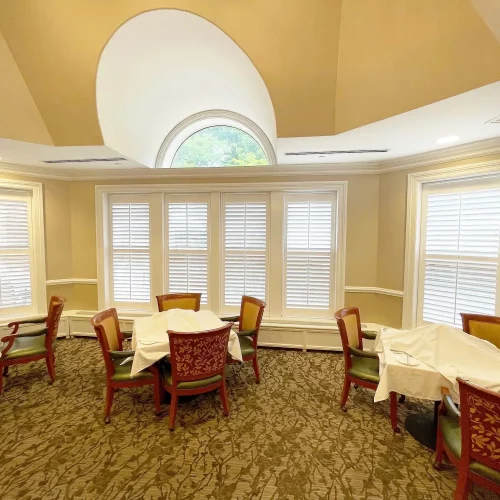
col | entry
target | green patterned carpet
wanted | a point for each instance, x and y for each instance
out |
(285, 438)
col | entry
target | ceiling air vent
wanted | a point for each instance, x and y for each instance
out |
(338, 152)
(86, 160)
(494, 120)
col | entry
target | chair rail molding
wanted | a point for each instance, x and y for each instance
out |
(72, 281)
(416, 182)
(374, 289)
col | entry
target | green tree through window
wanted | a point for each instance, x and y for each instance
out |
(219, 146)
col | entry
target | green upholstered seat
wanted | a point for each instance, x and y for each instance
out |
(453, 438)
(365, 369)
(192, 384)
(24, 347)
(122, 372)
(246, 346)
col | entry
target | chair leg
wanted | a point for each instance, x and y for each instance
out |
(439, 447)
(463, 486)
(256, 368)
(173, 410)
(157, 388)
(50, 367)
(223, 396)
(345, 393)
(5, 371)
(1, 381)
(402, 398)
(394, 412)
(109, 401)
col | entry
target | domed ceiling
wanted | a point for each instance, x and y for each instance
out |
(329, 66)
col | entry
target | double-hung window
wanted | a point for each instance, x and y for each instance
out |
(459, 257)
(188, 244)
(245, 244)
(309, 254)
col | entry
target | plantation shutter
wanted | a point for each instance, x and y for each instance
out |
(188, 245)
(245, 248)
(15, 254)
(460, 255)
(308, 254)
(130, 234)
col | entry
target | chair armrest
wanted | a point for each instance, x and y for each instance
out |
(369, 335)
(247, 333)
(127, 334)
(450, 406)
(16, 324)
(13, 336)
(230, 319)
(121, 354)
(362, 354)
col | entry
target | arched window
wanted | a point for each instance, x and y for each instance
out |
(215, 139)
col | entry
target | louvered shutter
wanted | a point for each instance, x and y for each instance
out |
(15, 255)
(188, 245)
(308, 254)
(460, 254)
(245, 248)
(130, 234)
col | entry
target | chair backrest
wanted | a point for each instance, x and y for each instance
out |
(480, 425)
(351, 335)
(198, 355)
(56, 306)
(189, 301)
(251, 312)
(107, 329)
(482, 326)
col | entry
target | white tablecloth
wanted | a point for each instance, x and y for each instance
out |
(442, 354)
(150, 339)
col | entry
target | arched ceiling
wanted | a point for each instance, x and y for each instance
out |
(329, 66)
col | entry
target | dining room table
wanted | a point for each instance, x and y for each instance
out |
(150, 339)
(418, 363)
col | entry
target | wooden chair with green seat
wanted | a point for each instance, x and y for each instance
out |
(482, 326)
(250, 318)
(197, 365)
(118, 375)
(189, 301)
(31, 346)
(470, 437)
(361, 367)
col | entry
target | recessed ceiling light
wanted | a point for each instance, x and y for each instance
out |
(448, 139)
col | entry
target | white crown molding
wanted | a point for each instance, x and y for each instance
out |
(373, 289)
(72, 281)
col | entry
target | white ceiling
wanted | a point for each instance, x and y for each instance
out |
(414, 132)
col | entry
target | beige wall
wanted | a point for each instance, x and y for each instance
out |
(19, 116)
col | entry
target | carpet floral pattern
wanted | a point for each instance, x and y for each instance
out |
(285, 438)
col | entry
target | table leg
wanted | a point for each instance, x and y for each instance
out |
(423, 426)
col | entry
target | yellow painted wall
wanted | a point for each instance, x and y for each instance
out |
(19, 116)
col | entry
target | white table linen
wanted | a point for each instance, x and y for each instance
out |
(443, 353)
(150, 339)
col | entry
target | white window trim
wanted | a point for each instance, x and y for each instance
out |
(416, 182)
(102, 193)
(37, 250)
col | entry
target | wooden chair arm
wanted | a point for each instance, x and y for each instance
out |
(121, 354)
(362, 354)
(448, 403)
(231, 319)
(369, 335)
(247, 333)
(16, 324)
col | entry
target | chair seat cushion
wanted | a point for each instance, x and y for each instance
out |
(246, 346)
(122, 372)
(25, 347)
(453, 438)
(192, 384)
(365, 369)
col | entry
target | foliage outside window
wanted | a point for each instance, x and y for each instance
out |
(219, 146)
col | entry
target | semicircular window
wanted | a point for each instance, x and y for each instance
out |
(219, 146)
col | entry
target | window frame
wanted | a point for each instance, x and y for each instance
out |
(216, 191)
(481, 171)
(34, 191)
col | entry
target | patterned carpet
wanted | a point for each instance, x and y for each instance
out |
(285, 438)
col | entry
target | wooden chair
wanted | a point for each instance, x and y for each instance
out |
(470, 437)
(482, 326)
(30, 346)
(189, 301)
(361, 367)
(197, 365)
(250, 318)
(118, 376)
